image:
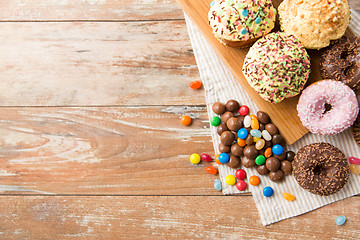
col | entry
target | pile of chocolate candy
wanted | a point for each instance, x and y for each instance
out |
(252, 138)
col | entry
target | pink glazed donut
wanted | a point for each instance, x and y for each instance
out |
(327, 107)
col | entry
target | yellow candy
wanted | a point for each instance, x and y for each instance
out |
(255, 139)
(195, 158)
(288, 196)
(230, 180)
(260, 144)
(355, 169)
(254, 123)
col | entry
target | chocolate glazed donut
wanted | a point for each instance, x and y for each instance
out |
(321, 168)
(341, 61)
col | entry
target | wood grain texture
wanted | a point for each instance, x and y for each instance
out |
(93, 10)
(167, 217)
(72, 64)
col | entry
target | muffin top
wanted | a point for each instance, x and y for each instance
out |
(241, 20)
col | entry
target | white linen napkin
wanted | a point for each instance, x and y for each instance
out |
(220, 85)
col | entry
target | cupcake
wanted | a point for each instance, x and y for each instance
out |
(239, 23)
(277, 66)
(314, 22)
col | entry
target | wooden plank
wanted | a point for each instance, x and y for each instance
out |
(99, 10)
(107, 63)
(167, 217)
(107, 150)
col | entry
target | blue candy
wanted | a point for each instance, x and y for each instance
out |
(243, 31)
(258, 20)
(217, 184)
(340, 220)
(268, 191)
(242, 133)
(211, 4)
(224, 158)
(277, 149)
(255, 133)
(245, 12)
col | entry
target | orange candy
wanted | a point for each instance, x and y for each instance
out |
(268, 152)
(217, 159)
(254, 180)
(254, 123)
(211, 170)
(241, 142)
(185, 120)
(195, 84)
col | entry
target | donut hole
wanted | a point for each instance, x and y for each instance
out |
(344, 55)
(319, 170)
(328, 107)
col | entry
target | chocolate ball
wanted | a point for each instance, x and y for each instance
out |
(234, 161)
(233, 124)
(261, 127)
(224, 148)
(251, 152)
(241, 119)
(272, 129)
(222, 128)
(281, 157)
(218, 108)
(227, 138)
(290, 156)
(226, 116)
(248, 162)
(262, 151)
(249, 140)
(267, 144)
(277, 176)
(286, 167)
(262, 170)
(237, 150)
(272, 164)
(263, 117)
(232, 105)
(278, 139)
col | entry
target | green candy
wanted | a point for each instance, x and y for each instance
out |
(260, 160)
(215, 121)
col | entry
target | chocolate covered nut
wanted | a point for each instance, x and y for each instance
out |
(286, 167)
(227, 138)
(218, 108)
(241, 119)
(290, 156)
(233, 124)
(277, 176)
(232, 105)
(263, 117)
(237, 150)
(251, 152)
(226, 116)
(222, 128)
(278, 139)
(281, 157)
(262, 151)
(272, 164)
(248, 162)
(261, 127)
(234, 161)
(272, 129)
(224, 148)
(262, 170)
(267, 144)
(249, 140)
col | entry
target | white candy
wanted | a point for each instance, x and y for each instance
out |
(266, 135)
(247, 121)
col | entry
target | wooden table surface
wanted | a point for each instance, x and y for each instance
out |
(91, 146)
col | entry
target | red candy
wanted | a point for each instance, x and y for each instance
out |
(206, 157)
(244, 110)
(195, 84)
(354, 160)
(241, 185)
(240, 174)
(211, 170)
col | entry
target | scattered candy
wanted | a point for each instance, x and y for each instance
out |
(241, 142)
(242, 133)
(255, 133)
(268, 191)
(268, 152)
(217, 184)
(260, 160)
(255, 139)
(254, 180)
(354, 160)
(230, 180)
(195, 158)
(217, 159)
(355, 169)
(195, 84)
(288, 196)
(340, 220)
(247, 121)
(277, 149)
(215, 121)
(185, 120)
(211, 170)
(260, 144)
(244, 110)
(240, 174)
(206, 157)
(241, 185)
(224, 157)
(266, 135)
(254, 123)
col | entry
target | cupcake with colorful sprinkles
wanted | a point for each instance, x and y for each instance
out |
(239, 23)
(277, 66)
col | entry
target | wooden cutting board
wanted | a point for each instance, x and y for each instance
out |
(283, 114)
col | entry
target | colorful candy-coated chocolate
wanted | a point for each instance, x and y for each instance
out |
(206, 157)
(244, 110)
(240, 174)
(241, 185)
(354, 160)
(277, 149)
(355, 169)
(268, 191)
(340, 220)
(242, 133)
(195, 158)
(260, 144)
(230, 180)
(195, 84)
(288, 196)
(224, 157)
(260, 160)
(268, 152)
(255, 133)
(215, 121)
(217, 184)
(254, 123)
(254, 180)
(266, 135)
(247, 121)
(185, 120)
(211, 170)
(217, 159)
(241, 142)
(255, 139)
